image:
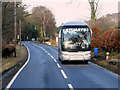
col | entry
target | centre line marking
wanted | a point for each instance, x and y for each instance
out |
(55, 60)
(70, 86)
(48, 54)
(63, 73)
(58, 65)
(52, 56)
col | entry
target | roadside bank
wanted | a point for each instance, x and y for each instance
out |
(12, 64)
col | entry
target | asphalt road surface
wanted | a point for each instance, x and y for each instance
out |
(44, 70)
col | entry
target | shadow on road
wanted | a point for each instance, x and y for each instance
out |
(75, 63)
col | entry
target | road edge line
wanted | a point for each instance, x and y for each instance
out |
(18, 72)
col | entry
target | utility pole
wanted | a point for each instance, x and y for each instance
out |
(20, 30)
(15, 26)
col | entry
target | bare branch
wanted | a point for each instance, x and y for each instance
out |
(89, 1)
(96, 6)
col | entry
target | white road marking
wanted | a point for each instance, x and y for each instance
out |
(91, 62)
(39, 46)
(45, 51)
(58, 65)
(33, 44)
(63, 73)
(13, 79)
(55, 60)
(105, 69)
(52, 57)
(70, 86)
(48, 53)
(16, 75)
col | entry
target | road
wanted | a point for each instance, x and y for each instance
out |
(44, 70)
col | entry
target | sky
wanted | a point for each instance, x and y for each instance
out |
(74, 10)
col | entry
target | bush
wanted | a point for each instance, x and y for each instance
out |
(103, 53)
(95, 41)
(110, 40)
(8, 50)
(112, 54)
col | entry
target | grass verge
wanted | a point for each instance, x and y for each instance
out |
(104, 63)
(12, 64)
(12, 61)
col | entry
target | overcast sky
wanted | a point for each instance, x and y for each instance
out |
(72, 10)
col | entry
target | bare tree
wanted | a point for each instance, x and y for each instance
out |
(94, 8)
(43, 17)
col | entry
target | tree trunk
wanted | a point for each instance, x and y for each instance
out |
(92, 13)
(94, 7)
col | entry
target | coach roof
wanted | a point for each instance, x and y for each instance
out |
(75, 23)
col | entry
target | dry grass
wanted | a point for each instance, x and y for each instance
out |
(53, 43)
(12, 61)
(116, 56)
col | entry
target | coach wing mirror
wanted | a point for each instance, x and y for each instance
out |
(91, 32)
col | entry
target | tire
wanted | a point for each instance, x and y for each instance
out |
(64, 61)
(59, 58)
(85, 62)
